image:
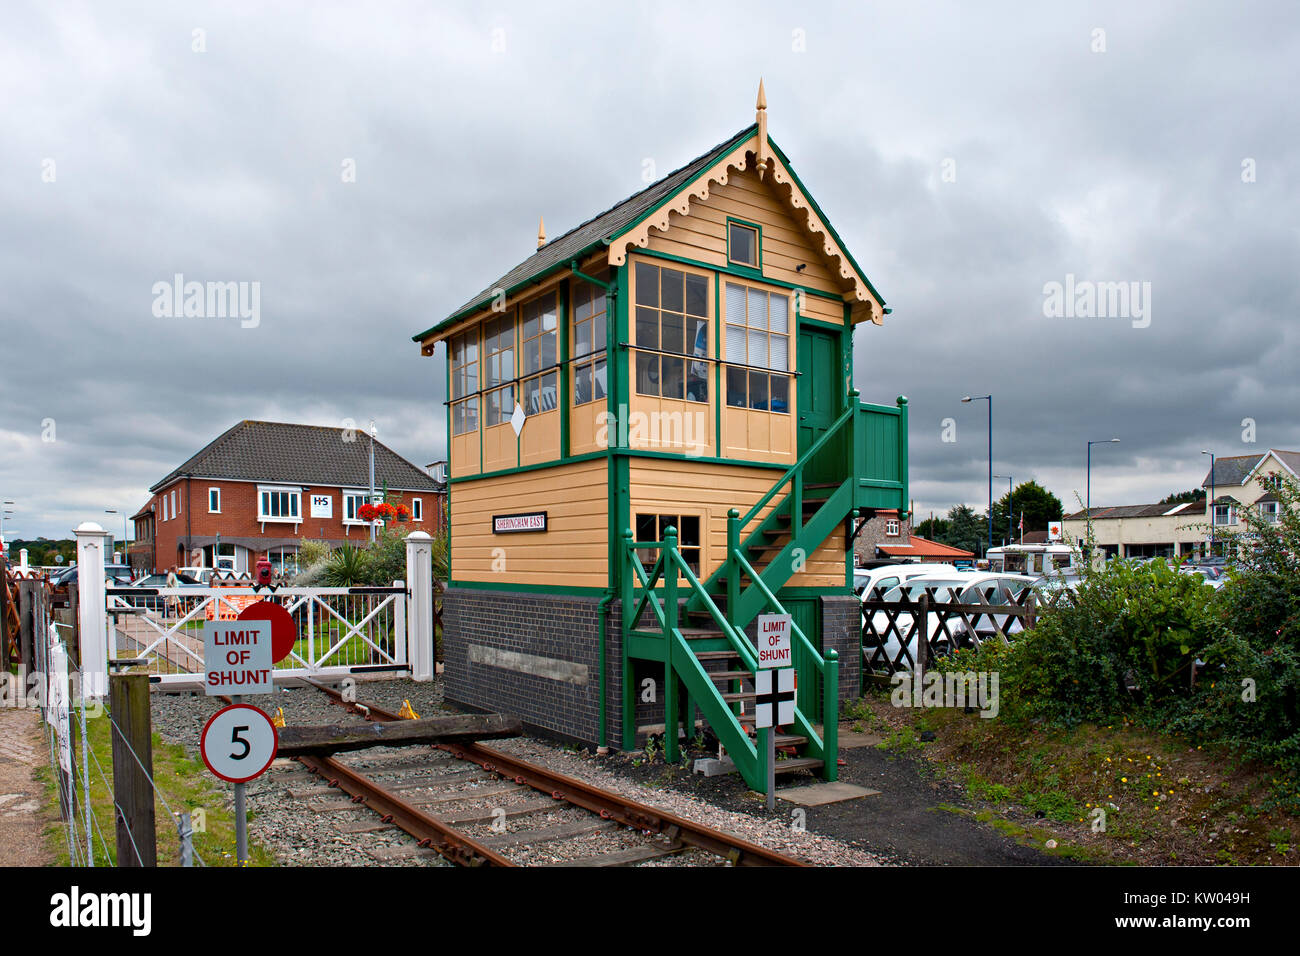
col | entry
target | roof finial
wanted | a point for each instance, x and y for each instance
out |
(760, 155)
(762, 97)
(541, 232)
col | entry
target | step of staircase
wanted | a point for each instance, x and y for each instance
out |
(717, 655)
(798, 763)
(700, 633)
(731, 675)
(740, 696)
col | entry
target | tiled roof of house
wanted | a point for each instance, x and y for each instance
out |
(307, 454)
(584, 238)
(918, 547)
(1235, 470)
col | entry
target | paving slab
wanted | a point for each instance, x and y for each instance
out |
(850, 739)
(820, 794)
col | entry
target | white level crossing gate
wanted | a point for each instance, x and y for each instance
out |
(339, 631)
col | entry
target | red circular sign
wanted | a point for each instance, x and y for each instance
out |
(243, 733)
(284, 632)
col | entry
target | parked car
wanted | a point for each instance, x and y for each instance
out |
(869, 583)
(115, 576)
(952, 632)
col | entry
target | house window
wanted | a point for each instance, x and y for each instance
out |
(742, 245)
(173, 497)
(539, 350)
(283, 560)
(1223, 514)
(214, 501)
(279, 504)
(464, 383)
(417, 509)
(352, 501)
(499, 367)
(588, 342)
(891, 528)
(1268, 511)
(652, 528)
(1272, 482)
(164, 508)
(758, 339)
(672, 321)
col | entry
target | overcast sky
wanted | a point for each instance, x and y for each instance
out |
(968, 154)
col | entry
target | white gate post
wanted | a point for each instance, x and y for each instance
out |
(419, 620)
(92, 618)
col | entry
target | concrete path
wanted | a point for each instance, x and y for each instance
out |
(22, 797)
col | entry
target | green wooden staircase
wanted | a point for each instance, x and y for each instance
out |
(696, 629)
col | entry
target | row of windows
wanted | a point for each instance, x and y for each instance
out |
(284, 504)
(1227, 514)
(671, 334)
(520, 352)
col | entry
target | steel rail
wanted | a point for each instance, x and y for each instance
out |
(612, 806)
(607, 805)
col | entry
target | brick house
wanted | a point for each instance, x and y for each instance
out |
(260, 488)
(888, 536)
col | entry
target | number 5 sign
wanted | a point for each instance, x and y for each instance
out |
(239, 743)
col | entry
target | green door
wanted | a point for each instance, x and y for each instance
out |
(820, 401)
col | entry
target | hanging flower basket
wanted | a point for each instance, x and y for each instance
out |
(384, 512)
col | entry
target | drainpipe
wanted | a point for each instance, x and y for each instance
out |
(602, 732)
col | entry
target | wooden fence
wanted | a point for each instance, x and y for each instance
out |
(905, 635)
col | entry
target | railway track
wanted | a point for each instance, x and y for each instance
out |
(478, 806)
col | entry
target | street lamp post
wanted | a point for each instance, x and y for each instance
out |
(371, 499)
(1213, 506)
(1088, 506)
(2, 518)
(987, 398)
(1009, 493)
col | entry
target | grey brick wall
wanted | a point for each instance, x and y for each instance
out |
(517, 653)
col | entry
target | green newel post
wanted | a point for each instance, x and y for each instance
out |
(831, 715)
(672, 719)
(625, 611)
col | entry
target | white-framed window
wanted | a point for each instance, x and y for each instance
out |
(1223, 514)
(279, 503)
(891, 528)
(164, 508)
(283, 560)
(214, 501)
(1268, 511)
(417, 509)
(352, 502)
(174, 511)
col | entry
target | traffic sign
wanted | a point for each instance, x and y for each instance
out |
(284, 632)
(237, 657)
(774, 640)
(239, 743)
(774, 697)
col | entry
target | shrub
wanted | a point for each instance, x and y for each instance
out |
(347, 567)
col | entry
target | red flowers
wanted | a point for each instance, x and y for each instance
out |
(384, 512)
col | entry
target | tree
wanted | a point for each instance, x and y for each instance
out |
(966, 529)
(1036, 503)
(1182, 496)
(935, 529)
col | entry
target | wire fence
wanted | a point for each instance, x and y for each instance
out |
(68, 699)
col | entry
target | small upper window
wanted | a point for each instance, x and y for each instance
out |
(214, 501)
(891, 528)
(417, 509)
(742, 245)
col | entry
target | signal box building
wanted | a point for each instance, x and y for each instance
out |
(655, 437)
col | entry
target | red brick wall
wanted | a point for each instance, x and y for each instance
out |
(238, 517)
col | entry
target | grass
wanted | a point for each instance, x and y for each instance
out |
(1116, 793)
(184, 782)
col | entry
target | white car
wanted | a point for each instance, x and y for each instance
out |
(974, 588)
(871, 583)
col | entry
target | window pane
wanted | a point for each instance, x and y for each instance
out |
(550, 348)
(671, 286)
(471, 414)
(582, 385)
(688, 532)
(736, 344)
(549, 312)
(532, 322)
(598, 381)
(780, 314)
(780, 393)
(779, 358)
(647, 284)
(647, 374)
(742, 245)
(471, 378)
(599, 337)
(757, 309)
(758, 348)
(735, 304)
(697, 381)
(758, 390)
(697, 295)
(550, 392)
(673, 384)
(674, 333)
(697, 336)
(736, 391)
(492, 411)
(647, 328)
(582, 338)
(532, 356)
(581, 302)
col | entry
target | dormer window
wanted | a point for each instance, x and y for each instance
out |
(1223, 514)
(1268, 511)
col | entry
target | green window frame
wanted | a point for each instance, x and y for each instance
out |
(744, 244)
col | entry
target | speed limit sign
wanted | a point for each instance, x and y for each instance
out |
(239, 743)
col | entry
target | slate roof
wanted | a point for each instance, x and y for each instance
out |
(305, 454)
(588, 236)
(1235, 469)
(1185, 508)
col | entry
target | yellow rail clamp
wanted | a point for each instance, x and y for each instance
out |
(408, 712)
(278, 719)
